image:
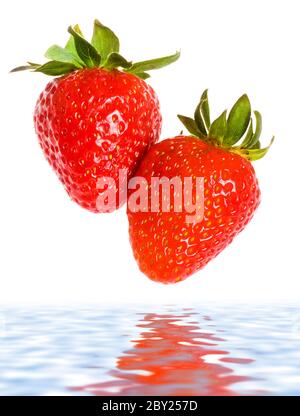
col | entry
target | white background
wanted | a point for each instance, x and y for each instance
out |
(54, 251)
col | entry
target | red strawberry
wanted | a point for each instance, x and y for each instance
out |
(96, 118)
(167, 248)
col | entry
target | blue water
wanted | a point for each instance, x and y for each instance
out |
(150, 350)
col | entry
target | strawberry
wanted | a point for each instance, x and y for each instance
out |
(97, 117)
(168, 247)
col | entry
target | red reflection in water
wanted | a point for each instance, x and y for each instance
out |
(173, 356)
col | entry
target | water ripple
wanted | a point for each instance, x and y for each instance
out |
(200, 350)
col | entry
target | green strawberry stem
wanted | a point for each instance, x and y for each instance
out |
(233, 133)
(101, 52)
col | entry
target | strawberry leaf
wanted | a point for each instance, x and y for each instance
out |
(55, 68)
(257, 145)
(199, 116)
(254, 154)
(57, 53)
(238, 121)
(142, 75)
(104, 40)
(202, 113)
(116, 60)
(70, 46)
(22, 68)
(191, 126)
(86, 52)
(151, 64)
(224, 131)
(248, 136)
(205, 109)
(258, 129)
(218, 128)
(102, 52)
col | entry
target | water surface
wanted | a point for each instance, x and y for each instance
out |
(150, 350)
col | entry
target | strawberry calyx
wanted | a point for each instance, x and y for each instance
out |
(235, 132)
(101, 52)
